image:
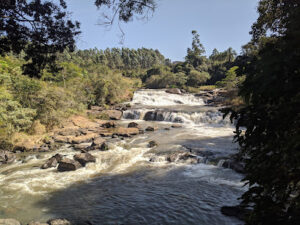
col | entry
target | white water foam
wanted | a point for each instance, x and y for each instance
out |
(148, 97)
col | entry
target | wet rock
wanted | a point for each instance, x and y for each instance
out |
(234, 165)
(9, 222)
(174, 91)
(84, 158)
(104, 147)
(109, 124)
(126, 132)
(44, 148)
(152, 144)
(83, 146)
(150, 128)
(183, 157)
(154, 116)
(59, 222)
(167, 128)
(176, 126)
(133, 124)
(68, 165)
(113, 114)
(52, 162)
(236, 211)
(6, 157)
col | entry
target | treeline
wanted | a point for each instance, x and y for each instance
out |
(115, 58)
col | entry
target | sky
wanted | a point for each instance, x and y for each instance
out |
(220, 24)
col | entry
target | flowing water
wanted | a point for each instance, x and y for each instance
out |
(132, 183)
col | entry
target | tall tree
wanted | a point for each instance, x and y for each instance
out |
(195, 54)
(39, 28)
(272, 115)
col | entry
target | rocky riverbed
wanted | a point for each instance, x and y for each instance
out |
(166, 140)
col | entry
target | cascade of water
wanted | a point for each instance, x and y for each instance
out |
(161, 98)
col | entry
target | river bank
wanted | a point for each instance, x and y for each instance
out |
(163, 137)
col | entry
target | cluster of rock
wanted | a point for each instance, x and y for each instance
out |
(214, 97)
(49, 222)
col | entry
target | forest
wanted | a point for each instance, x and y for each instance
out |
(44, 79)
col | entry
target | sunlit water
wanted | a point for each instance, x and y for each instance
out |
(123, 186)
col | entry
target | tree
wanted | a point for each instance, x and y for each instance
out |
(196, 78)
(271, 116)
(39, 28)
(195, 54)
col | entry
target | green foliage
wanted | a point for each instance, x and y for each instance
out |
(13, 117)
(231, 81)
(40, 29)
(165, 80)
(271, 116)
(196, 78)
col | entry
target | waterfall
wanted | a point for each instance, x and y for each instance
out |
(161, 98)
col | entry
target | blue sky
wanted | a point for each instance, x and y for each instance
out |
(220, 23)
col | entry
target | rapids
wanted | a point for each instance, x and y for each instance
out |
(132, 183)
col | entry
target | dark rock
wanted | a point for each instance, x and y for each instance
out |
(6, 157)
(174, 91)
(167, 128)
(176, 126)
(150, 128)
(236, 211)
(84, 158)
(133, 124)
(109, 124)
(104, 147)
(141, 131)
(182, 157)
(52, 162)
(59, 222)
(234, 165)
(68, 165)
(152, 144)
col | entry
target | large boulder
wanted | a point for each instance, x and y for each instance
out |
(9, 222)
(68, 165)
(84, 138)
(59, 222)
(182, 157)
(52, 162)
(108, 124)
(174, 91)
(126, 132)
(69, 131)
(149, 128)
(6, 157)
(84, 158)
(133, 124)
(234, 165)
(113, 114)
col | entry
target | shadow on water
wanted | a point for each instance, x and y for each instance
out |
(145, 196)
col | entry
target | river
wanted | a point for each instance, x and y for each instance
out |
(133, 183)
